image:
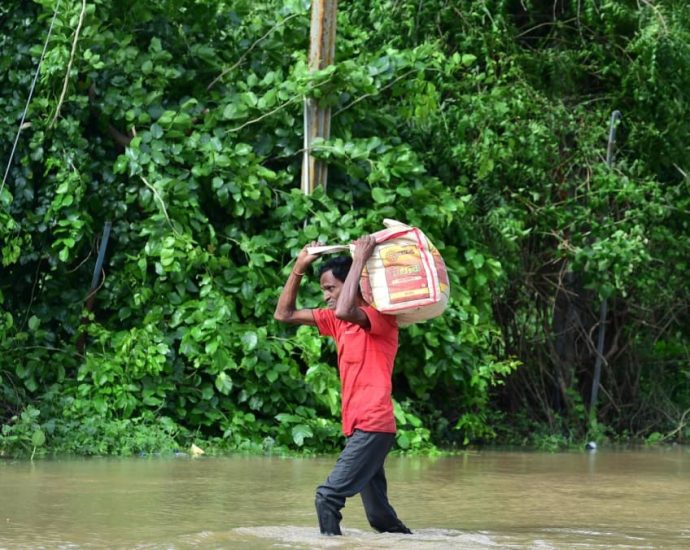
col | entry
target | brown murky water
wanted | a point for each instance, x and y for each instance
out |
(633, 499)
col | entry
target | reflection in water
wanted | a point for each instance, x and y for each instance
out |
(477, 500)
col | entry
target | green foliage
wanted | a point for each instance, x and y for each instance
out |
(484, 124)
(91, 435)
(23, 435)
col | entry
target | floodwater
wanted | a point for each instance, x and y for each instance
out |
(514, 500)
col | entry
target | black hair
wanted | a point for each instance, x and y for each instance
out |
(340, 266)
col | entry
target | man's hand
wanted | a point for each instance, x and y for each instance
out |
(364, 247)
(304, 259)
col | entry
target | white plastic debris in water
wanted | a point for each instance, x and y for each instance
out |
(196, 451)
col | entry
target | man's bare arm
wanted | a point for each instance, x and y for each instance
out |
(347, 308)
(286, 309)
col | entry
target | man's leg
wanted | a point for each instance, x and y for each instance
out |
(380, 513)
(360, 460)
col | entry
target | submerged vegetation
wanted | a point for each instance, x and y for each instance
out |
(484, 122)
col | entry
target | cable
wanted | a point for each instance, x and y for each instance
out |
(28, 101)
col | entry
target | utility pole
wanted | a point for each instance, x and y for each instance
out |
(317, 119)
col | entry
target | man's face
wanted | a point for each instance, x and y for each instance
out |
(331, 288)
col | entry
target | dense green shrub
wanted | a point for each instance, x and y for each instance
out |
(484, 123)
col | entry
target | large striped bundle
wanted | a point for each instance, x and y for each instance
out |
(405, 276)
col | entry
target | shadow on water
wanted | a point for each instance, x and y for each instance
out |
(617, 500)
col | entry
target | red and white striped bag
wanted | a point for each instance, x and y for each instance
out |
(405, 275)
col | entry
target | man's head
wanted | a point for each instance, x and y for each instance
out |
(332, 275)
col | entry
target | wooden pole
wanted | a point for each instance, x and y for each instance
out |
(317, 119)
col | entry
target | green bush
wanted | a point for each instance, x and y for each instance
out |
(484, 124)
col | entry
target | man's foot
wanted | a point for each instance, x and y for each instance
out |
(400, 528)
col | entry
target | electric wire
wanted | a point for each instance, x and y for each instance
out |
(31, 93)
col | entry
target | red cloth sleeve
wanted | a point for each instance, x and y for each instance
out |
(380, 323)
(325, 321)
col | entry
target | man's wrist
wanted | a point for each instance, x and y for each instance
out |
(300, 268)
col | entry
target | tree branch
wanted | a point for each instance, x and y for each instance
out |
(248, 51)
(69, 64)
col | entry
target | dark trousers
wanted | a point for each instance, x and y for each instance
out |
(359, 469)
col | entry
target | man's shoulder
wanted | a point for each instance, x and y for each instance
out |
(324, 315)
(371, 311)
(324, 312)
(381, 323)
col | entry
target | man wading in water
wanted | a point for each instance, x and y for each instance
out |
(367, 342)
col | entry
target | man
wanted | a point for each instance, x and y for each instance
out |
(367, 342)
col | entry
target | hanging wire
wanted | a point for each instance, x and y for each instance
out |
(31, 93)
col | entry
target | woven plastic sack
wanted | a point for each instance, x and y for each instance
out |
(405, 275)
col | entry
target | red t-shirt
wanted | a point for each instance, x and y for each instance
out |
(365, 363)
